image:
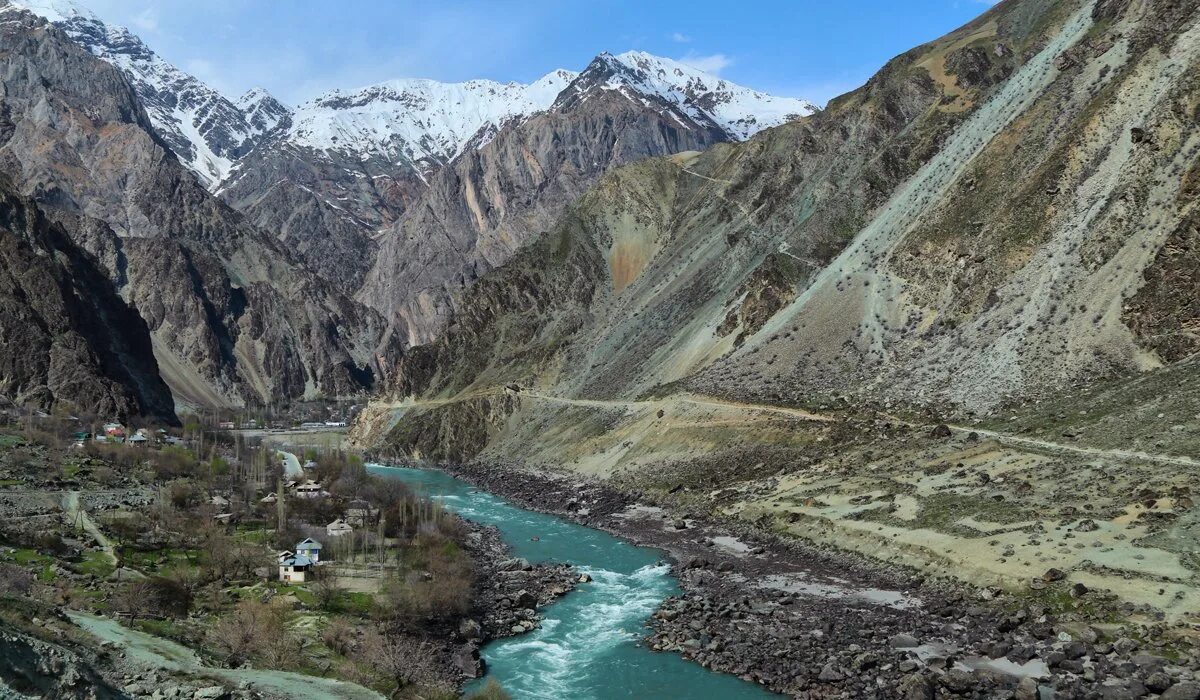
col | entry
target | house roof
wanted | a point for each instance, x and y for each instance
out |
(308, 543)
(298, 560)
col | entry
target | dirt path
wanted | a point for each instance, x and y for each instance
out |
(1077, 449)
(155, 652)
(802, 414)
(76, 515)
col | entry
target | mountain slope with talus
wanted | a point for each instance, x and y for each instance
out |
(978, 195)
(940, 323)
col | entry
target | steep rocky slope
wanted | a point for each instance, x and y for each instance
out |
(233, 316)
(996, 231)
(207, 131)
(411, 189)
(57, 311)
(991, 215)
(332, 178)
(490, 201)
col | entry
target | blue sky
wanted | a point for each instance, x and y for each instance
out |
(300, 48)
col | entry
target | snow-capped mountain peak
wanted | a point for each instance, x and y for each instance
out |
(207, 132)
(409, 122)
(55, 11)
(418, 119)
(261, 110)
(739, 111)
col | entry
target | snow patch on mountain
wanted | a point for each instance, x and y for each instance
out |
(417, 120)
(207, 132)
(740, 111)
(262, 111)
(411, 122)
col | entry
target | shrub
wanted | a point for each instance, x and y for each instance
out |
(15, 580)
(172, 462)
(340, 636)
(490, 691)
(170, 596)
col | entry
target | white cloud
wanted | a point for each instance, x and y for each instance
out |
(680, 38)
(714, 64)
(199, 67)
(146, 20)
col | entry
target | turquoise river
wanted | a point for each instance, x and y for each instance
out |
(588, 645)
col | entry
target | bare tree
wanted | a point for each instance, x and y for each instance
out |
(135, 599)
(327, 592)
(405, 660)
(256, 630)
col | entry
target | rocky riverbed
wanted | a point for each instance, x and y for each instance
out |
(816, 623)
(509, 592)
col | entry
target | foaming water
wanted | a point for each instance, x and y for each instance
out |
(588, 645)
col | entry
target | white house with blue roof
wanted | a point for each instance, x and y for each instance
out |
(310, 548)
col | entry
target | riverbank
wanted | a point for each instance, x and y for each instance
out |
(509, 591)
(812, 622)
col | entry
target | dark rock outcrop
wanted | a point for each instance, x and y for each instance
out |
(70, 342)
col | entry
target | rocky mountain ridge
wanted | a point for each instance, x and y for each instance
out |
(233, 317)
(207, 131)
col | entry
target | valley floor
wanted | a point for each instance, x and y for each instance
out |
(976, 501)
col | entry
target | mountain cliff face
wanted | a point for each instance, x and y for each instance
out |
(232, 315)
(400, 194)
(205, 130)
(409, 190)
(57, 311)
(995, 216)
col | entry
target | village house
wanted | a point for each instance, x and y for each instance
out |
(219, 501)
(310, 489)
(269, 498)
(138, 440)
(295, 568)
(337, 528)
(309, 548)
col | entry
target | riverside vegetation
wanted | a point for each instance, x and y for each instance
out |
(177, 544)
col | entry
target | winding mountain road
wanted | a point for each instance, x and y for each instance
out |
(713, 402)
